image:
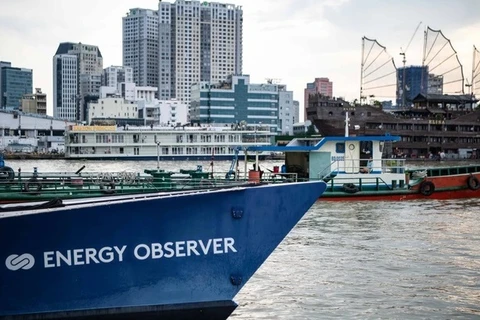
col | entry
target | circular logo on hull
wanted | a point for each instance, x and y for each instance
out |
(16, 262)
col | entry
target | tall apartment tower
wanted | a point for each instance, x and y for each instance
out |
(194, 41)
(140, 46)
(89, 74)
(198, 41)
(65, 86)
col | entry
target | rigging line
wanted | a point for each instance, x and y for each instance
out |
(440, 50)
(381, 77)
(384, 86)
(476, 68)
(374, 60)
(377, 68)
(366, 58)
(431, 70)
(453, 81)
(434, 41)
(476, 82)
(449, 71)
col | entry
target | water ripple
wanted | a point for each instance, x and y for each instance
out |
(372, 260)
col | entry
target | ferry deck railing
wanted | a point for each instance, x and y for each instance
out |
(352, 166)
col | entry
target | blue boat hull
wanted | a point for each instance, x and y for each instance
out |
(178, 257)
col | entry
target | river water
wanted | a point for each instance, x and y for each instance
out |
(354, 260)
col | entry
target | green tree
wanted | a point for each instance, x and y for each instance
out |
(311, 130)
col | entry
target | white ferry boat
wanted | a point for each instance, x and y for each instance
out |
(163, 143)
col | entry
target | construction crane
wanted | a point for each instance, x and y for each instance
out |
(404, 60)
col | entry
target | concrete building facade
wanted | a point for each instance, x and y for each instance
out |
(29, 132)
(111, 108)
(35, 102)
(321, 86)
(114, 75)
(192, 41)
(296, 111)
(140, 45)
(89, 73)
(163, 112)
(198, 41)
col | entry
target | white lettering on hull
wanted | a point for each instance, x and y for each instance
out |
(78, 257)
(182, 249)
(115, 254)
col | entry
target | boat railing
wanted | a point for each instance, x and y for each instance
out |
(393, 165)
(327, 171)
(56, 183)
(377, 182)
(354, 166)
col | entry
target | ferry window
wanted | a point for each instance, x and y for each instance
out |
(340, 147)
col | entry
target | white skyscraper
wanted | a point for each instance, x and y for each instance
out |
(65, 86)
(140, 46)
(195, 41)
(198, 41)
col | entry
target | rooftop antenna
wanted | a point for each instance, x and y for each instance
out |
(273, 80)
(404, 60)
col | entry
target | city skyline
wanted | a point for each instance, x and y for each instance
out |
(295, 41)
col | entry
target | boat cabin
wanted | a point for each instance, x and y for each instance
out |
(358, 159)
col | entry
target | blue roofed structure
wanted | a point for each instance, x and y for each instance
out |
(296, 146)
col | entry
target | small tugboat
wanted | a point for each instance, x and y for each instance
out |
(358, 168)
(182, 255)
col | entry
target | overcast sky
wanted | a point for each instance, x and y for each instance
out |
(291, 40)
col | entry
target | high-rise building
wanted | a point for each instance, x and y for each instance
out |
(2, 64)
(196, 41)
(416, 82)
(35, 102)
(322, 86)
(435, 84)
(14, 84)
(140, 45)
(296, 112)
(65, 86)
(89, 72)
(114, 75)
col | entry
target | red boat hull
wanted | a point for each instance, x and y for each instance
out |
(446, 187)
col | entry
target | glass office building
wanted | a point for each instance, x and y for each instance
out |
(236, 101)
(15, 83)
